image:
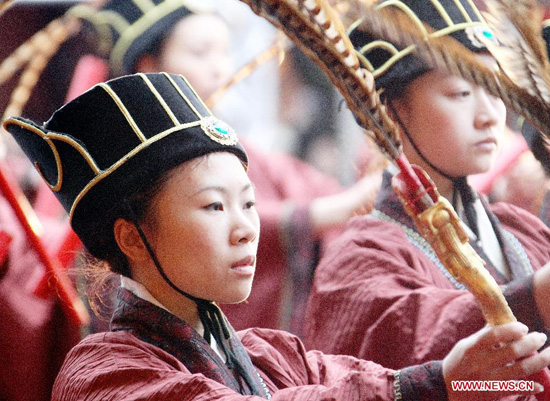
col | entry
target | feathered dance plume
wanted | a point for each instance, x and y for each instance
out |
(310, 24)
(35, 54)
(277, 49)
(522, 56)
(447, 54)
(44, 41)
(521, 52)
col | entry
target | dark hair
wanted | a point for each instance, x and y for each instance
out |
(101, 274)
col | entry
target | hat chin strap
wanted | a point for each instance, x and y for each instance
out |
(211, 316)
(460, 184)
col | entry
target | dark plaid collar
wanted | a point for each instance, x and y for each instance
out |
(159, 327)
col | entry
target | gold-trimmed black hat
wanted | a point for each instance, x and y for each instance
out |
(117, 139)
(125, 29)
(393, 67)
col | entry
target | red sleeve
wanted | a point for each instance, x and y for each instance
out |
(285, 364)
(377, 297)
(118, 366)
(312, 375)
(534, 236)
(530, 231)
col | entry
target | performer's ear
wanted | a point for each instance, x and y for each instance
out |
(129, 241)
(146, 64)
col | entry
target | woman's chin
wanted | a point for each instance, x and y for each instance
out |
(479, 168)
(235, 298)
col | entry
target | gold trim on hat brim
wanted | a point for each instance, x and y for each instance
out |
(400, 54)
(49, 136)
(105, 173)
(100, 175)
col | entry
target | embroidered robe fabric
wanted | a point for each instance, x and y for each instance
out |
(155, 356)
(377, 296)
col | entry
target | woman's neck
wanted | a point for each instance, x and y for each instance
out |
(175, 303)
(443, 184)
(445, 187)
(186, 310)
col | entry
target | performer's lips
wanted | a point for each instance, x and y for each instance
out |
(245, 265)
(488, 144)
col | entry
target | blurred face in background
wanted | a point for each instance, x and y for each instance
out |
(198, 48)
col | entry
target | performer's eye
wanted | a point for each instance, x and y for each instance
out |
(216, 206)
(462, 94)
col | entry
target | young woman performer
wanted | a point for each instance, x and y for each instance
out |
(157, 188)
(381, 293)
(298, 206)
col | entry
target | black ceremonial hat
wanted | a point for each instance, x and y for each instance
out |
(117, 139)
(393, 67)
(128, 28)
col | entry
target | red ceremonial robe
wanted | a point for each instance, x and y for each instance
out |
(153, 355)
(378, 295)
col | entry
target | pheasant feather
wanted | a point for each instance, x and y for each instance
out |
(521, 52)
(312, 26)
